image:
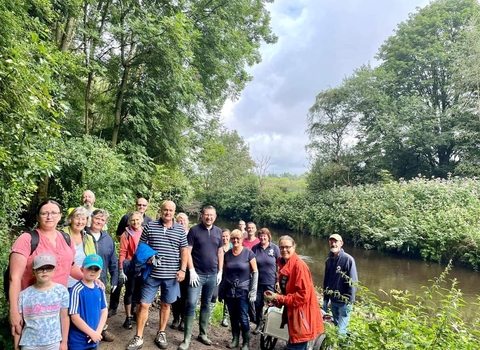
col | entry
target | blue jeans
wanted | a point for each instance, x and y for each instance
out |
(206, 286)
(238, 310)
(341, 315)
(297, 346)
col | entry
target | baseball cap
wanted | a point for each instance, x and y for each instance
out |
(93, 260)
(44, 260)
(336, 237)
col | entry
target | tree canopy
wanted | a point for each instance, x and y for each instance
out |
(412, 114)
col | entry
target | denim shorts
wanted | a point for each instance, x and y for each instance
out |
(169, 289)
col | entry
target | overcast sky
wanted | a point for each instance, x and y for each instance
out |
(319, 43)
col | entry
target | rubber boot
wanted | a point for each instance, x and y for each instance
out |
(235, 340)
(225, 317)
(203, 324)
(212, 309)
(246, 340)
(187, 334)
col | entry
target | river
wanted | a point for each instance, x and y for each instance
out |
(378, 270)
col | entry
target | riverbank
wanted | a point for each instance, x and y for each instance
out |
(420, 218)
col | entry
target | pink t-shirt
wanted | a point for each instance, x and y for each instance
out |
(63, 254)
(247, 244)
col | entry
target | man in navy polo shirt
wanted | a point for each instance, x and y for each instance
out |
(205, 267)
(169, 240)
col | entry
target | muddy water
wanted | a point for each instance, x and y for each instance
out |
(377, 270)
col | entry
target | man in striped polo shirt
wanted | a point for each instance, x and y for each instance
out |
(169, 239)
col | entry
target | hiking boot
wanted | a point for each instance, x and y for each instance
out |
(112, 312)
(175, 324)
(161, 340)
(135, 344)
(107, 336)
(128, 323)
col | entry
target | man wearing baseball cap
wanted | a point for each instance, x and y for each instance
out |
(339, 284)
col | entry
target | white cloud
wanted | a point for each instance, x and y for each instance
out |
(320, 42)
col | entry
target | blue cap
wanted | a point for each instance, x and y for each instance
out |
(93, 260)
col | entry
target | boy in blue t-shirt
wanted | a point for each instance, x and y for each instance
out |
(44, 307)
(88, 309)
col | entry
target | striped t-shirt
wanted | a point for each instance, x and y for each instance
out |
(167, 242)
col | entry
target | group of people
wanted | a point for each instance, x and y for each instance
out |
(45, 266)
(242, 268)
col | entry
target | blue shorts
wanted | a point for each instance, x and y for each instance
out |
(169, 290)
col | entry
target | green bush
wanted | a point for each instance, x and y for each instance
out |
(434, 219)
(432, 320)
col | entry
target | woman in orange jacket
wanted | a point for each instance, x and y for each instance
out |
(301, 309)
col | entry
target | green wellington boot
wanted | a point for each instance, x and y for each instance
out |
(187, 333)
(203, 324)
(246, 340)
(225, 317)
(235, 340)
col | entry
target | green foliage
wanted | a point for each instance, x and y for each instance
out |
(236, 201)
(433, 219)
(170, 184)
(115, 178)
(434, 319)
(414, 113)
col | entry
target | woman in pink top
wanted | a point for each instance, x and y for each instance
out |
(251, 239)
(128, 246)
(50, 241)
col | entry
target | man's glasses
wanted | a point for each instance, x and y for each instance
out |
(93, 268)
(45, 269)
(141, 205)
(53, 214)
(285, 247)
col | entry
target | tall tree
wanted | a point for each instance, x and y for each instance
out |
(331, 127)
(154, 68)
(29, 112)
(223, 160)
(421, 57)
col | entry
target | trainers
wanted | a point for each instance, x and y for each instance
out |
(181, 326)
(161, 340)
(128, 323)
(107, 336)
(224, 322)
(112, 312)
(135, 344)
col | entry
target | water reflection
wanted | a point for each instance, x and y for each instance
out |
(378, 270)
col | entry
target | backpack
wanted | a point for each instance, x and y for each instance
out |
(33, 246)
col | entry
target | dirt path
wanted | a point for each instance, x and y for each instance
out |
(219, 335)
